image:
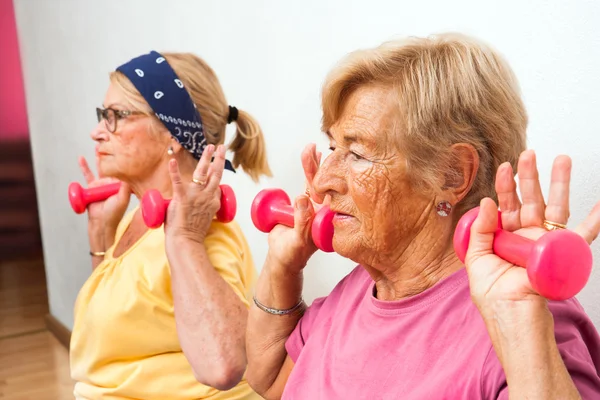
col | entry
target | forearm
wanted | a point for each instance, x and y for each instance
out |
(210, 318)
(268, 333)
(523, 337)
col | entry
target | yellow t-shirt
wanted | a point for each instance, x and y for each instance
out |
(124, 342)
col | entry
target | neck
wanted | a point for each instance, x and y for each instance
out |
(427, 260)
(160, 179)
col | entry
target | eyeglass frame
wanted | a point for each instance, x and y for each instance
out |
(101, 114)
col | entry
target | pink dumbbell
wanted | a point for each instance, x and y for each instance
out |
(558, 264)
(273, 206)
(154, 207)
(80, 198)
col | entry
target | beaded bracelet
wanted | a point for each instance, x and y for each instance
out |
(275, 311)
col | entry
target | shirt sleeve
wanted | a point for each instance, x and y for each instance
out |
(301, 332)
(323, 308)
(579, 346)
(227, 255)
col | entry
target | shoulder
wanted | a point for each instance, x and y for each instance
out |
(230, 233)
(230, 255)
(575, 333)
(578, 343)
(349, 288)
(324, 308)
(226, 243)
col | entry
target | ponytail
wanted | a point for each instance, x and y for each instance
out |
(249, 147)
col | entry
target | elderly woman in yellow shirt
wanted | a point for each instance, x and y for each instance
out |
(149, 323)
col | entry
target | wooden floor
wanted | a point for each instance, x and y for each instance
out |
(33, 364)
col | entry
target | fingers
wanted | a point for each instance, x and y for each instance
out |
(310, 164)
(590, 227)
(303, 216)
(482, 231)
(85, 169)
(532, 210)
(175, 175)
(557, 209)
(508, 199)
(216, 169)
(200, 175)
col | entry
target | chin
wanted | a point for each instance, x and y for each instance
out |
(106, 170)
(345, 246)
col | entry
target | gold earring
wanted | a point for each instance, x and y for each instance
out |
(170, 151)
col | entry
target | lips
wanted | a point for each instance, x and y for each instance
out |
(339, 214)
(100, 153)
(342, 214)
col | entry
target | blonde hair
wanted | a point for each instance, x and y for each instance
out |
(202, 84)
(450, 89)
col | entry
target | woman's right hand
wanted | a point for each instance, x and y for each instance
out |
(104, 216)
(291, 248)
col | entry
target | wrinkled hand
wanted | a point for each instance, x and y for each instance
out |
(108, 213)
(194, 205)
(493, 280)
(291, 248)
(311, 160)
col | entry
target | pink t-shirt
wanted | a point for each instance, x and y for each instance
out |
(434, 345)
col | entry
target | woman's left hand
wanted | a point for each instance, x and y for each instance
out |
(194, 204)
(494, 281)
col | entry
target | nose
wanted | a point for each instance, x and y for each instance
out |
(99, 133)
(331, 176)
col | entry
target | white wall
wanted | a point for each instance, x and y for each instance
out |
(271, 58)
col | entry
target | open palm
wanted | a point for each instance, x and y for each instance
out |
(493, 279)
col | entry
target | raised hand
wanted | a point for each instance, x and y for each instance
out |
(108, 213)
(494, 280)
(195, 203)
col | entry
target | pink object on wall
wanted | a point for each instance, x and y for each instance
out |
(13, 112)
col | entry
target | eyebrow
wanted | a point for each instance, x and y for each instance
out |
(350, 138)
(113, 104)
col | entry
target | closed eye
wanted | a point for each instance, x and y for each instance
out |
(354, 155)
(357, 156)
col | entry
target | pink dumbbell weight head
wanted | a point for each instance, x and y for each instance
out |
(558, 264)
(154, 207)
(273, 206)
(80, 198)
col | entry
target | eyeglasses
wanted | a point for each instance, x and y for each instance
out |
(110, 116)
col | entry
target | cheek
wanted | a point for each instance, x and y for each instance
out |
(137, 150)
(370, 188)
(383, 199)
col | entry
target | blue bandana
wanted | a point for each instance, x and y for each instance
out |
(157, 82)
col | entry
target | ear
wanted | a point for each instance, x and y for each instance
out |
(461, 172)
(175, 145)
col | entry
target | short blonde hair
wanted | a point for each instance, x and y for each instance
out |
(200, 80)
(450, 89)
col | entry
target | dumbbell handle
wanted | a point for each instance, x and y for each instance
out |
(512, 247)
(283, 213)
(321, 230)
(272, 207)
(100, 193)
(80, 197)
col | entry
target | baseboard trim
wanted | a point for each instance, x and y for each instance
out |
(60, 332)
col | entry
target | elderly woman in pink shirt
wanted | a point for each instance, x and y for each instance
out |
(421, 131)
